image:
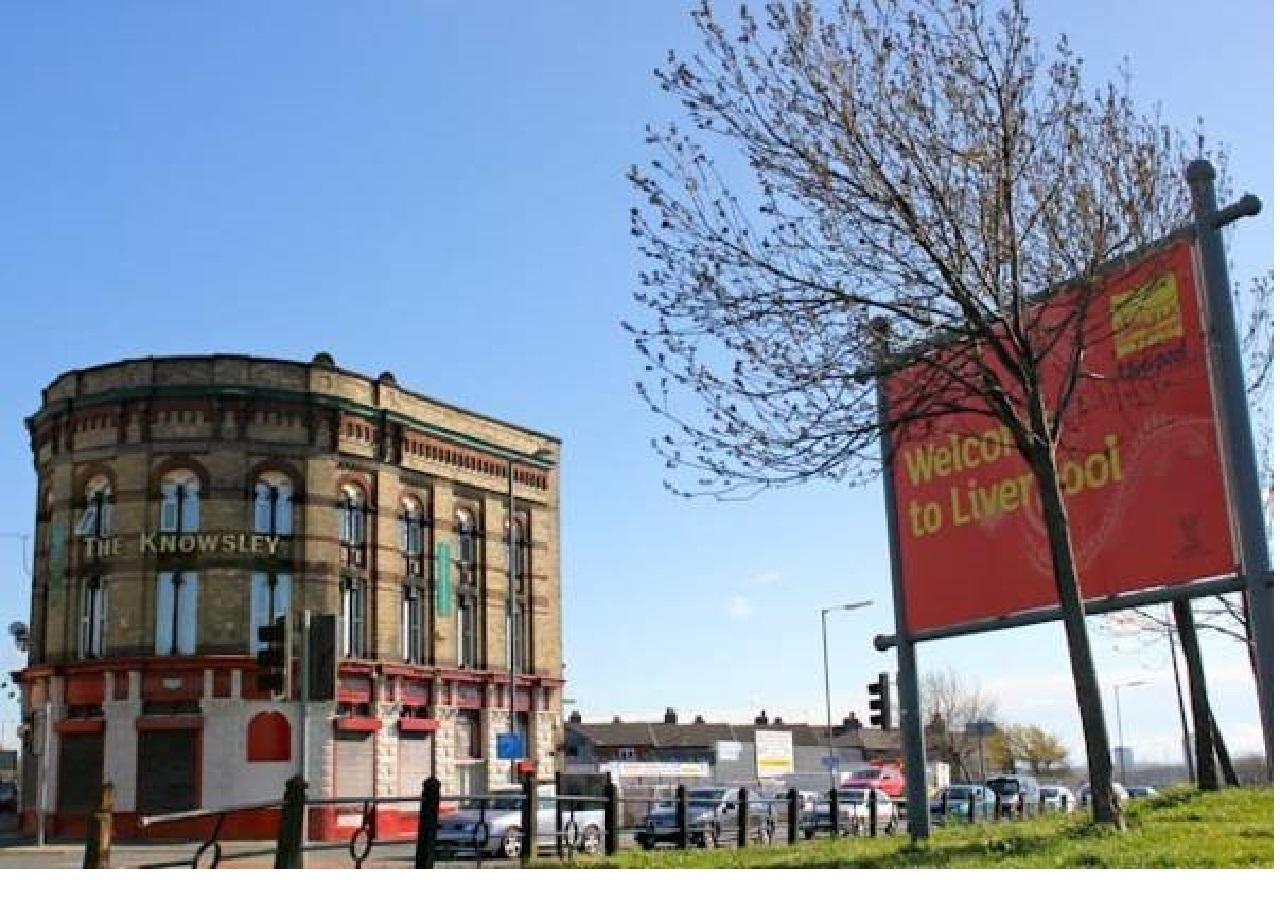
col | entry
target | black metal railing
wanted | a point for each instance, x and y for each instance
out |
(736, 819)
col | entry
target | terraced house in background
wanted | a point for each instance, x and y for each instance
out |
(184, 501)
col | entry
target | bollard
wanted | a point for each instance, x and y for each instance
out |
(529, 821)
(559, 817)
(97, 838)
(610, 818)
(682, 817)
(424, 854)
(289, 839)
(833, 804)
(1022, 807)
(743, 819)
(973, 809)
(873, 813)
(793, 816)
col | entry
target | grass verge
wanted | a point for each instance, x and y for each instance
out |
(1179, 829)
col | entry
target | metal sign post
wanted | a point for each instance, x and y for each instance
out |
(908, 682)
(1233, 412)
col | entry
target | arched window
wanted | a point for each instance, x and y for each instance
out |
(412, 526)
(180, 502)
(469, 624)
(96, 519)
(351, 516)
(273, 504)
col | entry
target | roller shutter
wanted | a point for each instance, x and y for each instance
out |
(168, 770)
(353, 764)
(414, 763)
(79, 773)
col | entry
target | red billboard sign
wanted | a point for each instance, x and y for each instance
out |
(1139, 464)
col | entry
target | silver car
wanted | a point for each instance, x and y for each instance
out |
(498, 832)
(855, 811)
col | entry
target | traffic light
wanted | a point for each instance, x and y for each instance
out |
(322, 662)
(273, 658)
(881, 703)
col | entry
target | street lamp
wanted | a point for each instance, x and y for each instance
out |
(1120, 727)
(826, 675)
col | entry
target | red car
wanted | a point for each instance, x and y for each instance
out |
(888, 778)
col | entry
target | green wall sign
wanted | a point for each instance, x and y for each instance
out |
(444, 581)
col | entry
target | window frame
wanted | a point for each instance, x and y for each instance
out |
(183, 504)
(180, 623)
(93, 618)
(277, 504)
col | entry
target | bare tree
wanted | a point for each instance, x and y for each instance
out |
(917, 172)
(949, 704)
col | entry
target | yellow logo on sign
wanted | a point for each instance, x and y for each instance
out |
(1147, 316)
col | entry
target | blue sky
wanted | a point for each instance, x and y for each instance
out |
(437, 189)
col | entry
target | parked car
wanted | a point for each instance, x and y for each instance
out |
(954, 802)
(813, 811)
(1142, 792)
(855, 811)
(1119, 789)
(8, 796)
(885, 777)
(712, 811)
(1014, 792)
(1056, 798)
(501, 833)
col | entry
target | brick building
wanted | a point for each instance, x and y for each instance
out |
(183, 501)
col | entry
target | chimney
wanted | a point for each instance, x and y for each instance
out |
(698, 720)
(575, 717)
(763, 718)
(670, 717)
(777, 720)
(617, 720)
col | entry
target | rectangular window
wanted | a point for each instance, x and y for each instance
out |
(411, 624)
(626, 754)
(468, 632)
(351, 526)
(353, 617)
(93, 617)
(467, 732)
(520, 629)
(262, 504)
(177, 595)
(169, 511)
(269, 597)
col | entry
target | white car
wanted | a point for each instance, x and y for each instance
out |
(1056, 798)
(497, 832)
(855, 811)
(1121, 794)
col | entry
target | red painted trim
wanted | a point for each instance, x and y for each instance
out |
(80, 726)
(418, 725)
(168, 723)
(356, 667)
(366, 724)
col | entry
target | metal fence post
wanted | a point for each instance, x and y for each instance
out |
(610, 818)
(873, 816)
(529, 820)
(424, 853)
(559, 817)
(793, 816)
(973, 808)
(744, 820)
(833, 805)
(97, 843)
(289, 839)
(682, 816)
